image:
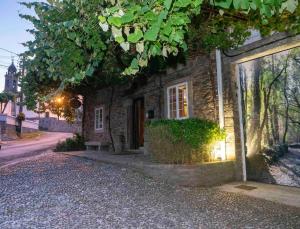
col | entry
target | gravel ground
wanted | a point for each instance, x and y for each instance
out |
(56, 191)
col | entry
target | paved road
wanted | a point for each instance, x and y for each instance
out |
(13, 150)
(57, 191)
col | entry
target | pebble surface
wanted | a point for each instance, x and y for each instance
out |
(58, 191)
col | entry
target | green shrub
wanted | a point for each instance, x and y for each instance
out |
(185, 141)
(71, 144)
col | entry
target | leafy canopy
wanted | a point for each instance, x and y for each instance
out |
(163, 27)
(87, 44)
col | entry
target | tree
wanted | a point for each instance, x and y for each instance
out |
(5, 97)
(162, 28)
(71, 47)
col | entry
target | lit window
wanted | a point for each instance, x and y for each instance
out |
(178, 101)
(99, 118)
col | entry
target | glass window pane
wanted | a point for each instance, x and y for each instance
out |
(182, 101)
(99, 118)
(172, 102)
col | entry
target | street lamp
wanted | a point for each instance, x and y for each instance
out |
(59, 100)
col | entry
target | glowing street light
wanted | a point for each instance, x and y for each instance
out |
(59, 100)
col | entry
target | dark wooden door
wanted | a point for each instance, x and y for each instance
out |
(138, 122)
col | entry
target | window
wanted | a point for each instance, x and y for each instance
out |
(178, 101)
(99, 118)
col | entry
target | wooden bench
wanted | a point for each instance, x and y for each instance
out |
(93, 146)
(97, 146)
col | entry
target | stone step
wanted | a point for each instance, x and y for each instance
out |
(135, 151)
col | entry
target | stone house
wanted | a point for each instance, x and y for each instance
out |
(206, 86)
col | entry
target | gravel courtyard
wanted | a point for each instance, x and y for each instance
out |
(56, 191)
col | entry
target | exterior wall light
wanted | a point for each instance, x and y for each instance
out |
(219, 152)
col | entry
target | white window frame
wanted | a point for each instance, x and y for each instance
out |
(177, 100)
(102, 121)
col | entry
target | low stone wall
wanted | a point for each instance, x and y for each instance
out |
(54, 125)
(209, 174)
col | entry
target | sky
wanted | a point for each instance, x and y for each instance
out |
(12, 33)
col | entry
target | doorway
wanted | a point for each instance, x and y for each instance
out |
(138, 123)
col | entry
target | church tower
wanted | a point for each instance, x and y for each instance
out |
(11, 79)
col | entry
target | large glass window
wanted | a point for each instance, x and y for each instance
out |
(178, 101)
(99, 118)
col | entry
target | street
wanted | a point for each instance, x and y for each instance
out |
(57, 191)
(13, 150)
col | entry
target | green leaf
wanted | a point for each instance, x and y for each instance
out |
(127, 18)
(167, 28)
(237, 4)
(150, 16)
(119, 39)
(116, 21)
(152, 33)
(178, 36)
(68, 24)
(245, 4)
(197, 3)
(224, 3)
(155, 50)
(102, 19)
(167, 4)
(182, 3)
(266, 10)
(90, 70)
(71, 35)
(134, 64)
(136, 36)
(180, 19)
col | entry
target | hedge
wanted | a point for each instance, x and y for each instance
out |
(184, 141)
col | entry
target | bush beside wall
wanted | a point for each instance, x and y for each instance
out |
(71, 144)
(187, 141)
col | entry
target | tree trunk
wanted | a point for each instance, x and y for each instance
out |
(268, 135)
(275, 123)
(109, 118)
(83, 117)
(4, 107)
(254, 141)
(286, 110)
(269, 89)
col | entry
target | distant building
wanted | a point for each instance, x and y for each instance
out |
(33, 120)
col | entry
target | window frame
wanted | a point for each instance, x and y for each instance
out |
(95, 120)
(176, 86)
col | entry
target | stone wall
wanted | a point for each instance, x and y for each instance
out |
(209, 174)
(54, 125)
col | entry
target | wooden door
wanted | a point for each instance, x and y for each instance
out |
(138, 123)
